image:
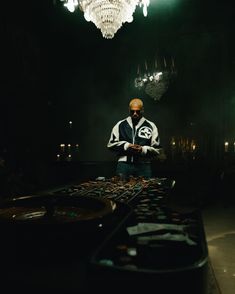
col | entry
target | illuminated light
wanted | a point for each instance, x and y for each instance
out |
(108, 16)
(226, 146)
(100, 225)
(69, 157)
(173, 142)
(58, 155)
(194, 147)
(71, 5)
(132, 251)
(62, 146)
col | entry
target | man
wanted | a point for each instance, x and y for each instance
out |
(136, 141)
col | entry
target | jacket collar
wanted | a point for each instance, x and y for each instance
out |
(129, 120)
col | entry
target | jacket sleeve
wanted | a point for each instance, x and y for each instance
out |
(154, 148)
(115, 144)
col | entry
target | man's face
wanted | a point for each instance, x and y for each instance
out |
(136, 112)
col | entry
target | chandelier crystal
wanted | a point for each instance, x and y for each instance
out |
(107, 15)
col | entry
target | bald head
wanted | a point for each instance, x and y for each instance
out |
(136, 108)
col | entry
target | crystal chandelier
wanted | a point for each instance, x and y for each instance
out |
(107, 15)
(155, 82)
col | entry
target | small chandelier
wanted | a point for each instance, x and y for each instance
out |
(155, 82)
(107, 15)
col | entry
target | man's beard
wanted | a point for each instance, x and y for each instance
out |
(135, 120)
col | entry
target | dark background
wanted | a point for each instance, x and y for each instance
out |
(56, 68)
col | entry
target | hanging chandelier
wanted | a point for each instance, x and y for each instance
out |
(107, 15)
(155, 80)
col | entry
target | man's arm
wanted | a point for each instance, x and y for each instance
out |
(115, 144)
(154, 148)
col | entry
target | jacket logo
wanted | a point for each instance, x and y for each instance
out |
(145, 132)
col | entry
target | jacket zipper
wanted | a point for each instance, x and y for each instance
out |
(133, 138)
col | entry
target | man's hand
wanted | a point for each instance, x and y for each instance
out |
(134, 148)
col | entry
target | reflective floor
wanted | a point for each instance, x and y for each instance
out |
(219, 224)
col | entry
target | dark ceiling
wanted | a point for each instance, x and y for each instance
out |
(57, 67)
